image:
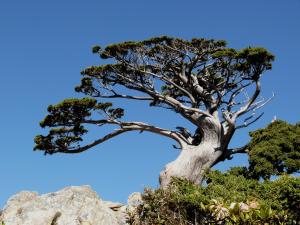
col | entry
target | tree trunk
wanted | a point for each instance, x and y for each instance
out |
(193, 161)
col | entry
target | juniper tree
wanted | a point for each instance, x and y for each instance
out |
(274, 150)
(213, 87)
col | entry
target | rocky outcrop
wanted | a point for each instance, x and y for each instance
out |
(69, 206)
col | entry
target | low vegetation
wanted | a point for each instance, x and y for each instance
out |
(226, 198)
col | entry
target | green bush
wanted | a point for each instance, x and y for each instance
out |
(226, 198)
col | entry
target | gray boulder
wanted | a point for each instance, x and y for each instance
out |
(69, 206)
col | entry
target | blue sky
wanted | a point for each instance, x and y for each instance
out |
(45, 44)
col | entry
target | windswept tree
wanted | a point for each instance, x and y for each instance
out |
(215, 88)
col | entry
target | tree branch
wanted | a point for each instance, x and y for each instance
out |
(231, 102)
(232, 151)
(245, 108)
(163, 78)
(243, 149)
(175, 85)
(127, 97)
(257, 105)
(99, 141)
(246, 124)
(178, 106)
(125, 127)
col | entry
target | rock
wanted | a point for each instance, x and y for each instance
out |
(119, 209)
(134, 200)
(115, 206)
(69, 206)
(122, 215)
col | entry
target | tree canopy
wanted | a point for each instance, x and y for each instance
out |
(180, 75)
(274, 150)
(215, 88)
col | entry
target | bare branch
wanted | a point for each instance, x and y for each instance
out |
(227, 117)
(178, 106)
(260, 104)
(99, 141)
(234, 94)
(245, 108)
(150, 128)
(182, 74)
(127, 97)
(246, 124)
(228, 154)
(163, 78)
(125, 127)
(243, 149)
(117, 95)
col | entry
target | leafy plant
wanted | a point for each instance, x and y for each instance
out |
(226, 199)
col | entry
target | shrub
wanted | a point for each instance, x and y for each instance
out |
(226, 198)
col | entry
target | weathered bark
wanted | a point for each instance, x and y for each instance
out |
(194, 160)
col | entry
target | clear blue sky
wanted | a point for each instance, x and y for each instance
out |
(45, 44)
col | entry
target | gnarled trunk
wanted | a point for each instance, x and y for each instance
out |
(193, 160)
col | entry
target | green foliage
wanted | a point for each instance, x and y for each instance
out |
(274, 150)
(226, 199)
(179, 203)
(280, 194)
(251, 61)
(229, 187)
(217, 67)
(67, 119)
(68, 112)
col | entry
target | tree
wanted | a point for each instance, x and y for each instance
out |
(213, 87)
(274, 150)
